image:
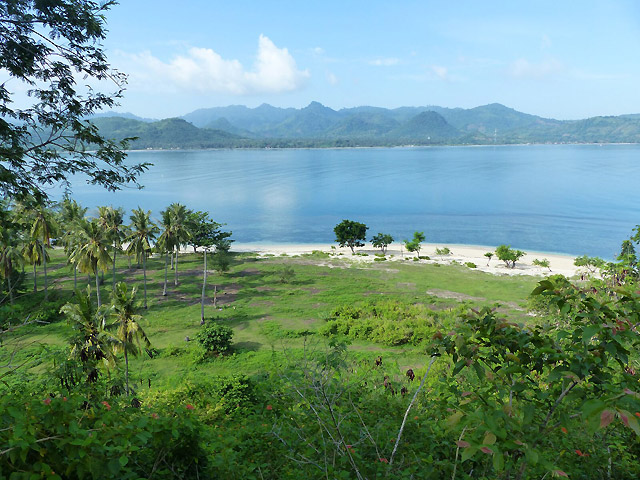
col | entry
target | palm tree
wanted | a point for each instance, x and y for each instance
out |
(129, 333)
(143, 233)
(166, 242)
(70, 214)
(91, 253)
(32, 252)
(91, 345)
(180, 225)
(9, 256)
(111, 220)
(43, 228)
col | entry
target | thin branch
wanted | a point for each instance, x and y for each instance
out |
(406, 414)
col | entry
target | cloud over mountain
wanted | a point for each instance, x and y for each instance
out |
(205, 71)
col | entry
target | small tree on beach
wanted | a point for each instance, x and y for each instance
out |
(590, 263)
(414, 245)
(508, 255)
(382, 241)
(351, 234)
(544, 263)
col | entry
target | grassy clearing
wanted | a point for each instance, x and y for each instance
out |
(271, 310)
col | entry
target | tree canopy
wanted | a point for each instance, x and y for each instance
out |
(350, 234)
(44, 135)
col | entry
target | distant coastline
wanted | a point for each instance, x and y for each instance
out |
(317, 126)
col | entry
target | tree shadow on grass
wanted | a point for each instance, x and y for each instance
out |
(247, 346)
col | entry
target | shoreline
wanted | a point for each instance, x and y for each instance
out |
(460, 254)
(358, 147)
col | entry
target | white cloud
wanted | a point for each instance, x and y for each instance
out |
(522, 68)
(440, 72)
(204, 70)
(332, 79)
(384, 62)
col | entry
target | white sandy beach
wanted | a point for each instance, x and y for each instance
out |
(562, 264)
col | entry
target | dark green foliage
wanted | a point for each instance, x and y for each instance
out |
(47, 45)
(508, 255)
(350, 234)
(66, 437)
(215, 338)
(382, 241)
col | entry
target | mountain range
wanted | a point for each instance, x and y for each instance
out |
(319, 126)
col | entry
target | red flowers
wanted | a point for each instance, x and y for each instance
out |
(269, 407)
(46, 401)
(106, 405)
(190, 407)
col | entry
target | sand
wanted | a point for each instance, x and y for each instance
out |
(562, 264)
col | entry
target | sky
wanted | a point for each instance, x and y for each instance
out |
(560, 59)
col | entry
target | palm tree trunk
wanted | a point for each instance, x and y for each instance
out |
(166, 264)
(98, 288)
(175, 278)
(144, 270)
(35, 279)
(204, 284)
(44, 263)
(113, 287)
(9, 287)
(126, 369)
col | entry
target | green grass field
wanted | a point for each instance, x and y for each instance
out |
(270, 319)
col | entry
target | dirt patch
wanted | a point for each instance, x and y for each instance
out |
(248, 272)
(455, 295)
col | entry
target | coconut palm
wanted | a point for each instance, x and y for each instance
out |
(10, 256)
(91, 345)
(166, 242)
(32, 252)
(181, 230)
(111, 220)
(142, 234)
(91, 253)
(129, 332)
(43, 227)
(69, 215)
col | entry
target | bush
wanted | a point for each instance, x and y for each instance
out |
(286, 275)
(215, 338)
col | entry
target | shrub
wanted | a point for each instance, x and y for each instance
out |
(286, 275)
(215, 338)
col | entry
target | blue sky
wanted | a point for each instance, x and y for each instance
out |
(560, 59)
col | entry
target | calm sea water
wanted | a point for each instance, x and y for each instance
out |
(567, 198)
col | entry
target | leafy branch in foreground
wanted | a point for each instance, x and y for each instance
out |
(47, 46)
